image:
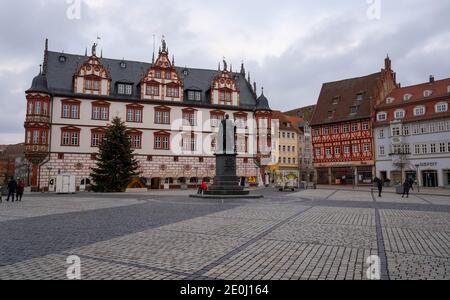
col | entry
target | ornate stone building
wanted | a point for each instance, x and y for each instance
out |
(342, 127)
(173, 114)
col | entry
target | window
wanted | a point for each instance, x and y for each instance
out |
(216, 119)
(366, 148)
(189, 143)
(346, 128)
(70, 137)
(390, 100)
(194, 96)
(355, 148)
(433, 148)
(365, 126)
(134, 114)
(168, 75)
(225, 97)
(328, 152)
(162, 115)
(100, 111)
(70, 109)
(36, 137)
(124, 89)
(330, 114)
(419, 111)
(241, 122)
(382, 150)
(382, 117)
(381, 134)
(326, 131)
(347, 149)
(442, 148)
(441, 107)
(448, 89)
(318, 152)
(38, 108)
(189, 118)
(424, 149)
(97, 137)
(360, 97)
(396, 131)
(416, 149)
(152, 89)
(405, 130)
(336, 130)
(337, 151)
(158, 74)
(316, 132)
(173, 92)
(162, 141)
(427, 93)
(135, 139)
(399, 114)
(92, 84)
(354, 110)
(354, 127)
(407, 97)
(335, 100)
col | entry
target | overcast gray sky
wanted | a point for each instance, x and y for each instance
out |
(290, 47)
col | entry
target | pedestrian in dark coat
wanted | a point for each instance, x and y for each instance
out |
(20, 190)
(406, 188)
(12, 189)
(380, 186)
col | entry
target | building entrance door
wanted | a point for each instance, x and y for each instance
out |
(156, 183)
(430, 179)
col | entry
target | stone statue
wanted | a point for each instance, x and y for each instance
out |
(226, 141)
(94, 49)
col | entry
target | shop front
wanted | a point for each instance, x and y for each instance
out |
(365, 175)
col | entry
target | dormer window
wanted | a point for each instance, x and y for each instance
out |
(427, 93)
(158, 74)
(336, 100)
(390, 100)
(354, 110)
(360, 97)
(168, 76)
(399, 114)
(62, 59)
(407, 97)
(225, 97)
(194, 95)
(382, 116)
(441, 107)
(152, 89)
(419, 111)
(330, 114)
(123, 65)
(124, 89)
(185, 72)
(92, 84)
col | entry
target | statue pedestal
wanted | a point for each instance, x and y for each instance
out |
(226, 182)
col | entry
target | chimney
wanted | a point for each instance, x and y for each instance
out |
(431, 79)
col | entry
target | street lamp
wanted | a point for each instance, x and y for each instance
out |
(418, 179)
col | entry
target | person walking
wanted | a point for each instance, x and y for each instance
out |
(203, 187)
(12, 189)
(406, 188)
(379, 186)
(20, 190)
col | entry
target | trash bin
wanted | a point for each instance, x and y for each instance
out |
(399, 189)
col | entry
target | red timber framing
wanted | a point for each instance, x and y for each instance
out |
(224, 89)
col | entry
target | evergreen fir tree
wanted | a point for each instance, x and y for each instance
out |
(116, 166)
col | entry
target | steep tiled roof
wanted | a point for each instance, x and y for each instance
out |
(286, 120)
(60, 77)
(306, 113)
(439, 88)
(337, 99)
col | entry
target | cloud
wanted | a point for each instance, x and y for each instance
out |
(291, 48)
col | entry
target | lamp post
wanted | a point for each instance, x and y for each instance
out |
(418, 177)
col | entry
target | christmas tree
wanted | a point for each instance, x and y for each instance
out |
(116, 166)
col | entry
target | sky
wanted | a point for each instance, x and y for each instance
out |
(290, 47)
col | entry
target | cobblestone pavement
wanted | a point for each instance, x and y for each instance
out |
(314, 234)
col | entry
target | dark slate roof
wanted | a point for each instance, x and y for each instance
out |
(60, 78)
(39, 84)
(347, 91)
(305, 113)
(262, 103)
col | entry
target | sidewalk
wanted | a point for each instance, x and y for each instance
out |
(423, 191)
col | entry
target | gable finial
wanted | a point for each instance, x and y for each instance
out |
(163, 43)
(85, 52)
(254, 87)
(225, 65)
(243, 69)
(173, 60)
(231, 68)
(40, 69)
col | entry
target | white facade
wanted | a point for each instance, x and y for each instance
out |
(422, 149)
